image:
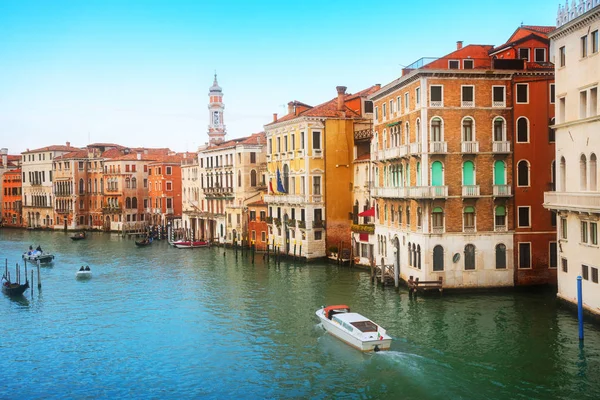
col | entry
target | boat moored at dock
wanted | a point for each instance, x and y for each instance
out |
(354, 329)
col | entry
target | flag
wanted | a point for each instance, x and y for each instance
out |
(379, 336)
(280, 187)
(271, 187)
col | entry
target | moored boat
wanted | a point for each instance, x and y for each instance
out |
(189, 244)
(143, 242)
(353, 328)
(84, 273)
(78, 236)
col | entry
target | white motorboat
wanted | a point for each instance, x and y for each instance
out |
(354, 329)
(84, 273)
(38, 256)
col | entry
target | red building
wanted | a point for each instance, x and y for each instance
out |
(164, 189)
(12, 201)
(257, 224)
(535, 255)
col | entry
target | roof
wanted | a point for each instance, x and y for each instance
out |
(518, 41)
(254, 139)
(539, 28)
(329, 109)
(259, 203)
(52, 148)
(364, 157)
(73, 154)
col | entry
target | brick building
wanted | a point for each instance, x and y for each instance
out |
(257, 225)
(12, 204)
(164, 190)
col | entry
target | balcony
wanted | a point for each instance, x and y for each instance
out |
(579, 202)
(467, 104)
(169, 211)
(316, 198)
(317, 153)
(500, 104)
(269, 220)
(437, 230)
(438, 147)
(500, 228)
(291, 223)
(469, 147)
(318, 224)
(502, 191)
(436, 103)
(470, 191)
(148, 210)
(427, 192)
(502, 147)
(285, 198)
(390, 192)
(300, 153)
(302, 224)
(395, 152)
(415, 148)
(364, 228)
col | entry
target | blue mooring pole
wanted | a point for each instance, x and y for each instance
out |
(580, 307)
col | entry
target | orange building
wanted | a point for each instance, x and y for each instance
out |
(257, 224)
(12, 201)
(164, 190)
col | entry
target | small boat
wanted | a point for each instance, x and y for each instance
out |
(143, 242)
(13, 289)
(38, 256)
(189, 244)
(354, 329)
(84, 273)
(79, 236)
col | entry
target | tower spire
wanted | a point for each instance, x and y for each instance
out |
(216, 127)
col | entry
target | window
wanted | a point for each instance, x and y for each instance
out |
(500, 218)
(438, 258)
(437, 220)
(540, 55)
(436, 96)
(562, 56)
(523, 173)
(524, 54)
(436, 130)
(524, 255)
(585, 273)
(453, 64)
(467, 128)
(253, 178)
(594, 275)
(584, 46)
(376, 113)
(583, 172)
(522, 93)
(318, 235)
(500, 256)
(499, 130)
(406, 108)
(584, 232)
(316, 185)
(368, 106)
(594, 233)
(524, 213)
(553, 255)
(468, 96)
(253, 157)
(552, 93)
(316, 140)
(292, 147)
(564, 265)
(384, 110)
(302, 140)
(583, 104)
(169, 186)
(594, 36)
(417, 96)
(498, 96)
(469, 257)
(563, 228)
(468, 64)
(469, 219)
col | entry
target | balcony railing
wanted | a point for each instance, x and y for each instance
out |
(468, 104)
(498, 103)
(437, 103)
(364, 228)
(502, 191)
(318, 224)
(469, 229)
(470, 191)
(584, 202)
(286, 198)
(394, 152)
(500, 228)
(470, 147)
(427, 192)
(169, 211)
(437, 230)
(501, 147)
(302, 224)
(415, 148)
(438, 147)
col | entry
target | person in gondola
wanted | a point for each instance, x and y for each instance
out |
(39, 248)
(82, 269)
(30, 250)
(87, 267)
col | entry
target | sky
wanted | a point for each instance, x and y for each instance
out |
(137, 72)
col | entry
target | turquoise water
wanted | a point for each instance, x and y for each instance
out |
(159, 322)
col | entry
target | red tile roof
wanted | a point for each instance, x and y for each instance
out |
(329, 109)
(259, 203)
(52, 148)
(364, 157)
(539, 28)
(73, 154)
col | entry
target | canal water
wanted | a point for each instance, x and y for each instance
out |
(158, 322)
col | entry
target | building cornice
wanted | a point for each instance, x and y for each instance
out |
(580, 22)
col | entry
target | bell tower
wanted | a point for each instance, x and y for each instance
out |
(216, 128)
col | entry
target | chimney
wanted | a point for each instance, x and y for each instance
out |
(291, 107)
(68, 144)
(274, 117)
(139, 156)
(341, 91)
(4, 153)
(459, 45)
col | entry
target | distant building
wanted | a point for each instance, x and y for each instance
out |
(576, 199)
(164, 190)
(257, 225)
(8, 163)
(12, 204)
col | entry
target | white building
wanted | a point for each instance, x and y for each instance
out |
(575, 45)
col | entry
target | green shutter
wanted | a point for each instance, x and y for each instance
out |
(468, 173)
(500, 211)
(499, 173)
(436, 174)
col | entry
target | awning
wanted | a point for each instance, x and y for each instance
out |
(368, 213)
(363, 237)
(394, 123)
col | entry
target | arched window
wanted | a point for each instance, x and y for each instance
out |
(392, 213)
(385, 139)
(400, 175)
(438, 258)
(407, 133)
(583, 172)
(407, 175)
(89, 186)
(523, 173)
(409, 255)
(95, 185)
(418, 183)
(469, 219)
(436, 130)
(593, 173)
(468, 173)
(500, 218)
(418, 131)
(414, 254)
(127, 183)
(133, 183)
(499, 173)
(522, 130)
(239, 179)
(419, 256)
(563, 175)
(81, 186)
(500, 256)
(467, 130)
(385, 216)
(134, 202)
(499, 130)
(469, 256)
(437, 220)
(253, 178)
(437, 175)
(553, 174)
(127, 202)
(551, 132)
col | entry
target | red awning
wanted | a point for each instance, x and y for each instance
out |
(367, 213)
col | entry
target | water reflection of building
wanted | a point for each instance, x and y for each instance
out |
(576, 199)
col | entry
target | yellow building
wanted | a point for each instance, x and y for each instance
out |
(310, 152)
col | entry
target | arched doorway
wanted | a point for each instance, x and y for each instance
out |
(396, 261)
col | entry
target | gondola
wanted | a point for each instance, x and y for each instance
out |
(13, 289)
(79, 236)
(143, 243)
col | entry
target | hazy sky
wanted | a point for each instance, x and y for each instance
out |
(137, 73)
